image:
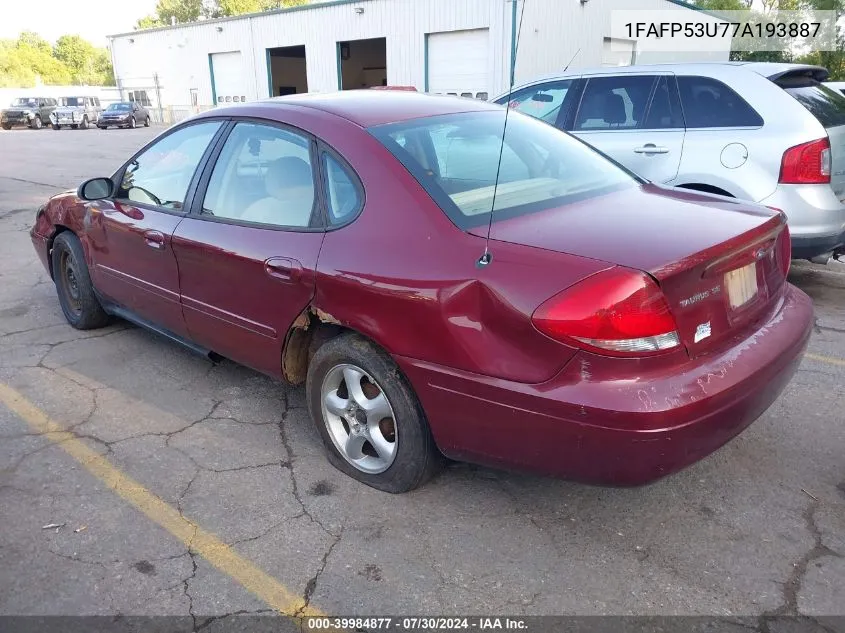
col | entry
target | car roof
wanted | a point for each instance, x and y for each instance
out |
(377, 107)
(770, 70)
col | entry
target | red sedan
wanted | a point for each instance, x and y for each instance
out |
(596, 327)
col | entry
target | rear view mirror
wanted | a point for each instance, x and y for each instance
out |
(95, 189)
(542, 97)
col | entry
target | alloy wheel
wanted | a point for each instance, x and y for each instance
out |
(359, 418)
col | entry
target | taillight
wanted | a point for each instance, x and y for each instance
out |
(808, 163)
(619, 311)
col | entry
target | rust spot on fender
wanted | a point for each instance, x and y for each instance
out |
(325, 317)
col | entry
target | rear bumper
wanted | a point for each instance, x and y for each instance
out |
(809, 247)
(591, 424)
(815, 215)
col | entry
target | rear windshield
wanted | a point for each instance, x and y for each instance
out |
(827, 105)
(455, 158)
(75, 101)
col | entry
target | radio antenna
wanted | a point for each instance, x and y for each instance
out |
(571, 60)
(487, 256)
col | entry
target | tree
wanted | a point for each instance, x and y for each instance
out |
(239, 7)
(71, 60)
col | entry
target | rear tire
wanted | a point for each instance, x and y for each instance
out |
(79, 304)
(36, 123)
(84, 124)
(147, 122)
(7, 126)
(402, 463)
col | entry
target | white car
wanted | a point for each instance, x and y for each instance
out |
(76, 112)
(769, 133)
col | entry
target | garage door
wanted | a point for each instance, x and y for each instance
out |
(227, 77)
(457, 62)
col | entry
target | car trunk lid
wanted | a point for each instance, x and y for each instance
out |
(720, 263)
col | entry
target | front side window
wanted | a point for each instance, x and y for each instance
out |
(263, 175)
(710, 103)
(456, 159)
(614, 103)
(161, 174)
(542, 102)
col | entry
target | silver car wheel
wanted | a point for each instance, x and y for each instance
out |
(359, 418)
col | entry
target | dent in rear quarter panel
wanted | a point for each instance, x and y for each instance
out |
(405, 276)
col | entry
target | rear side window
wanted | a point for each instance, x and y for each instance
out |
(708, 102)
(827, 105)
(665, 110)
(342, 192)
(612, 103)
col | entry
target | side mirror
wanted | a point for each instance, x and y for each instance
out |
(542, 97)
(96, 189)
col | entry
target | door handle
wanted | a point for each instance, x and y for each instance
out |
(154, 239)
(651, 148)
(283, 268)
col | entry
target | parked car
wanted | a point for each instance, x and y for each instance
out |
(609, 330)
(30, 111)
(769, 133)
(76, 112)
(124, 114)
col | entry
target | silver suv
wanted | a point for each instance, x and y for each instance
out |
(76, 112)
(769, 133)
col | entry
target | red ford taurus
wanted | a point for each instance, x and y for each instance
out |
(609, 330)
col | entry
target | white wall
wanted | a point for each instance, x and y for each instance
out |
(552, 37)
(107, 94)
(552, 31)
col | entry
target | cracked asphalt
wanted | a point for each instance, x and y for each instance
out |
(757, 528)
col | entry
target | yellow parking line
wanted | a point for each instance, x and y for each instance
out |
(197, 540)
(826, 359)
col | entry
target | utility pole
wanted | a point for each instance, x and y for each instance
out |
(158, 98)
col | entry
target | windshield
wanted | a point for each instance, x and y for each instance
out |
(25, 101)
(119, 107)
(455, 158)
(827, 105)
(74, 101)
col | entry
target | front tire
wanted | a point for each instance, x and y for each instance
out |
(132, 123)
(7, 126)
(56, 126)
(368, 416)
(73, 284)
(36, 123)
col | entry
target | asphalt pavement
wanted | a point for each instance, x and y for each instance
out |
(177, 486)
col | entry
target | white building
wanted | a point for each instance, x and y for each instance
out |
(444, 46)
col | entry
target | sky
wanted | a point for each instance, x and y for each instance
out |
(92, 19)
